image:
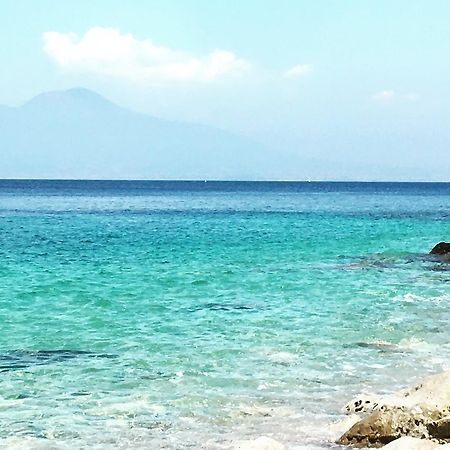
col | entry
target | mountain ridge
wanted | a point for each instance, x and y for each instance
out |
(78, 133)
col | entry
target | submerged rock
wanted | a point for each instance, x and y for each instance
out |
(421, 412)
(21, 359)
(443, 248)
(262, 443)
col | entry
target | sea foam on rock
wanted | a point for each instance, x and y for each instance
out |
(421, 412)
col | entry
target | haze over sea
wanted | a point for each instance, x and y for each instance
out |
(176, 315)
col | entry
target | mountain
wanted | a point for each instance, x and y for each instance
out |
(80, 134)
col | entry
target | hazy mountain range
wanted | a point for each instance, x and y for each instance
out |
(80, 134)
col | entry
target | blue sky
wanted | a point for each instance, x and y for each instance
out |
(360, 81)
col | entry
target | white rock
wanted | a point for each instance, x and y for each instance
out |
(262, 443)
(433, 394)
(410, 443)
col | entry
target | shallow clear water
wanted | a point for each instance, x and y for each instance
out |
(145, 315)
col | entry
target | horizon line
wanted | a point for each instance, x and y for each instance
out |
(199, 180)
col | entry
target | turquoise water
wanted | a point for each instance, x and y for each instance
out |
(193, 315)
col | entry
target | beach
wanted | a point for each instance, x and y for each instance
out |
(177, 315)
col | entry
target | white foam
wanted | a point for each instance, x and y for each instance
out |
(415, 298)
(30, 443)
(280, 356)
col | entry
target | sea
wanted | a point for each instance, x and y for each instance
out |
(196, 315)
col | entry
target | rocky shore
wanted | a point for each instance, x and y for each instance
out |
(416, 418)
(421, 412)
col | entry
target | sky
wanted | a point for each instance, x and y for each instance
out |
(351, 82)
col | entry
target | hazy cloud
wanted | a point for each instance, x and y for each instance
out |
(384, 96)
(388, 96)
(412, 97)
(107, 51)
(299, 70)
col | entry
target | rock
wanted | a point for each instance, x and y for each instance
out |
(443, 248)
(382, 427)
(440, 429)
(409, 443)
(420, 412)
(432, 394)
(262, 443)
(364, 404)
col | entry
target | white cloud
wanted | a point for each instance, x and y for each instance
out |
(388, 96)
(299, 70)
(107, 51)
(384, 96)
